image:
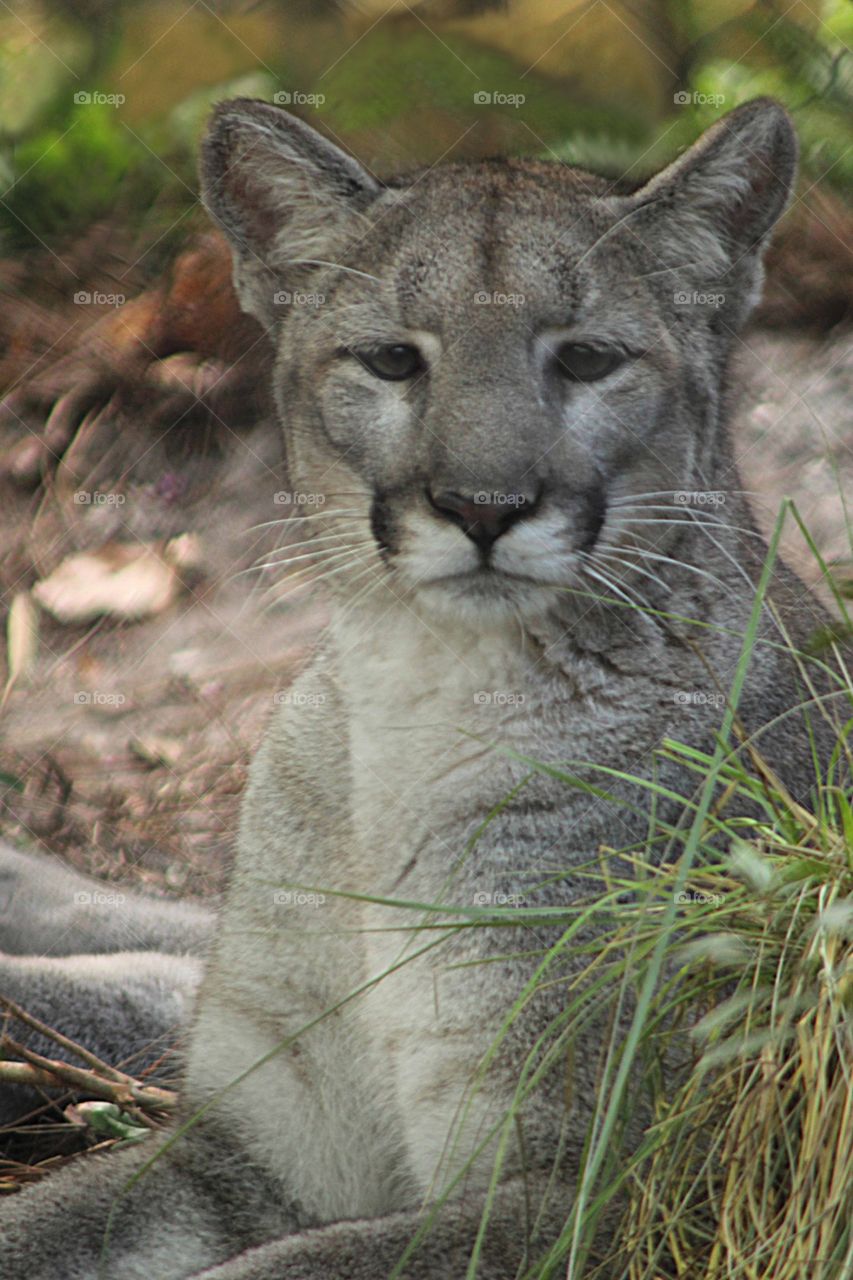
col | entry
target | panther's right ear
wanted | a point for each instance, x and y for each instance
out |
(282, 194)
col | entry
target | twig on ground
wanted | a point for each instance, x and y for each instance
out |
(66, 1042)
(40, 1072)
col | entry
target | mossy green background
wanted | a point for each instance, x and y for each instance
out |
(400, 93)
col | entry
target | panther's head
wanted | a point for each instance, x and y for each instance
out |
(496, 379)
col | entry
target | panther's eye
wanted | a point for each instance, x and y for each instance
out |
(582, 363)
(394, 362)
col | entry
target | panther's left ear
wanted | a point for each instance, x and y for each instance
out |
(717, 203)
(283, 194)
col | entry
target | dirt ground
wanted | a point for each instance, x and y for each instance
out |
(125, 750)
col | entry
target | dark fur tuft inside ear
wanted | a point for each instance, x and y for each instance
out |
(710, 212)
(280, 191)
(738, 176)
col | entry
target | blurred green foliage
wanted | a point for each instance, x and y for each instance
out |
(70, 174)
(421, 78)
(400, 92)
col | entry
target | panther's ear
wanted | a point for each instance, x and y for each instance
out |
(715, 206)
(281, 192)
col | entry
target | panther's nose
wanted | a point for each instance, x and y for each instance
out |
(483, 516)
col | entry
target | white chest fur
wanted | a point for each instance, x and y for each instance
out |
(430, 717)
(427, 709)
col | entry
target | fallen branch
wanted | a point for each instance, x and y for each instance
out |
(50, 1033)
(40, 1072)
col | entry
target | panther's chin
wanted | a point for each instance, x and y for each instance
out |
(488, 595)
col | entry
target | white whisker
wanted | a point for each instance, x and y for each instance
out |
(321, 557)
(712, 524)
(281, 555)
(679, 564)
(606, 554)
(313, 539)
(324, 556)
(293, 516)
(728, 555)
(661, 271)
(322, 262)
(612, 230)
(670, 493)
(607, 582)
(306, 581)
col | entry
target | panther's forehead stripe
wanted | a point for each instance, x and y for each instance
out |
(506, 230)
